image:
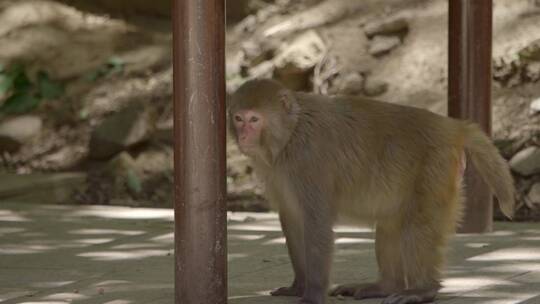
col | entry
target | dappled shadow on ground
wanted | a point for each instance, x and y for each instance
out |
(60, 254)
(116, 255)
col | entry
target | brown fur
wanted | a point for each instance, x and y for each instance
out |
(398, 167)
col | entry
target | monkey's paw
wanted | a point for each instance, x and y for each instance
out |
(358, 291)
(408, 299)
(291, 291)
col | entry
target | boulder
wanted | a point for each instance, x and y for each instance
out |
(389, 26)
(534, 107)
(527, 161)
(16, 131)
(381, 45)
(130, 126)
(375, 87)
(534, 194)
(350, 84)
(294, 63)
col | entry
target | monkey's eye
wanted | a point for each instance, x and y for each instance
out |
(238, 118)
(254, 119)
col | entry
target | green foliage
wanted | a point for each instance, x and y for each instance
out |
(112, 66)
(20, 94)
(133, 182)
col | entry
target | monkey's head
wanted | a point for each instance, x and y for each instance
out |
(262, 117)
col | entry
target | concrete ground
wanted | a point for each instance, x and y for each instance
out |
(53, 254)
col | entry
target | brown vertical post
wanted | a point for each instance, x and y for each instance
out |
(199, 160)
(469, 93)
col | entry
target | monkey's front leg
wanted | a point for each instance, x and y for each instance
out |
(292, 229)
(319, 239)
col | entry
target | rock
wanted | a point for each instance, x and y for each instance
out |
(255, 52)
(534, 194)
(390, 26)
(375, 87)
(237, 10)
(531, 52)
(351, 84)
(534, 107)
(527, 161)
(14, 132)
(532, 71)
(126, 128)
(381, 45)
(295, 62)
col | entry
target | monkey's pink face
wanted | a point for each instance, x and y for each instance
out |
(248, 125)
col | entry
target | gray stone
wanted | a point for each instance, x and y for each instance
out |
(534, 107)
(352, 83)
(534, 193)
(381, 45)
(295, 62)
(390, 26)
(14, 132)
(375, 87)
(527, 161)
(126, 128)
(531, 52)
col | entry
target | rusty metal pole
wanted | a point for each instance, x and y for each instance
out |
(199, 160)
(469, 93)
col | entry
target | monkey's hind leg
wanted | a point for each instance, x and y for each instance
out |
(422, 248)
(387, 237)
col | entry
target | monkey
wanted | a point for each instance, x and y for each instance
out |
(396, 167)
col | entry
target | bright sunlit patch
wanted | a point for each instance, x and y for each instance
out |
(453, 285)
(123, 255)
(235, 256)
(251, 227)
(46, 302)
(107, 231)
(477, 245)
(8, 230)
(245, 237)
(65, 296)
(137, 246)
(530, 238)
(509, 254)
(111, 282)
(10, 216)
(95, 241)
(513, 267)
(346, 240)
(165, 238)
(9, 249)
(119, 302)
(279, 240)
(51, 284)
(352, 229)
(125, 213)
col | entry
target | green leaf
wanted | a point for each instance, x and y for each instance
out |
(2, 68)
(116, 61)
(133, 182)
(20, 102)
(6, 84)
(21, 82)
(48, 89)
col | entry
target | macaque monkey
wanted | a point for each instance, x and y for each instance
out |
(397, 167)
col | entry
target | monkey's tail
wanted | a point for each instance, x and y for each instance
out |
(491, 166)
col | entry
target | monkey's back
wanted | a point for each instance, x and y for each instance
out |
(373, 151)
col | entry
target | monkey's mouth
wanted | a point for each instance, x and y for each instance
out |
(248, 149)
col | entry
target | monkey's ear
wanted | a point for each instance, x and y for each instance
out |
(288, 100)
